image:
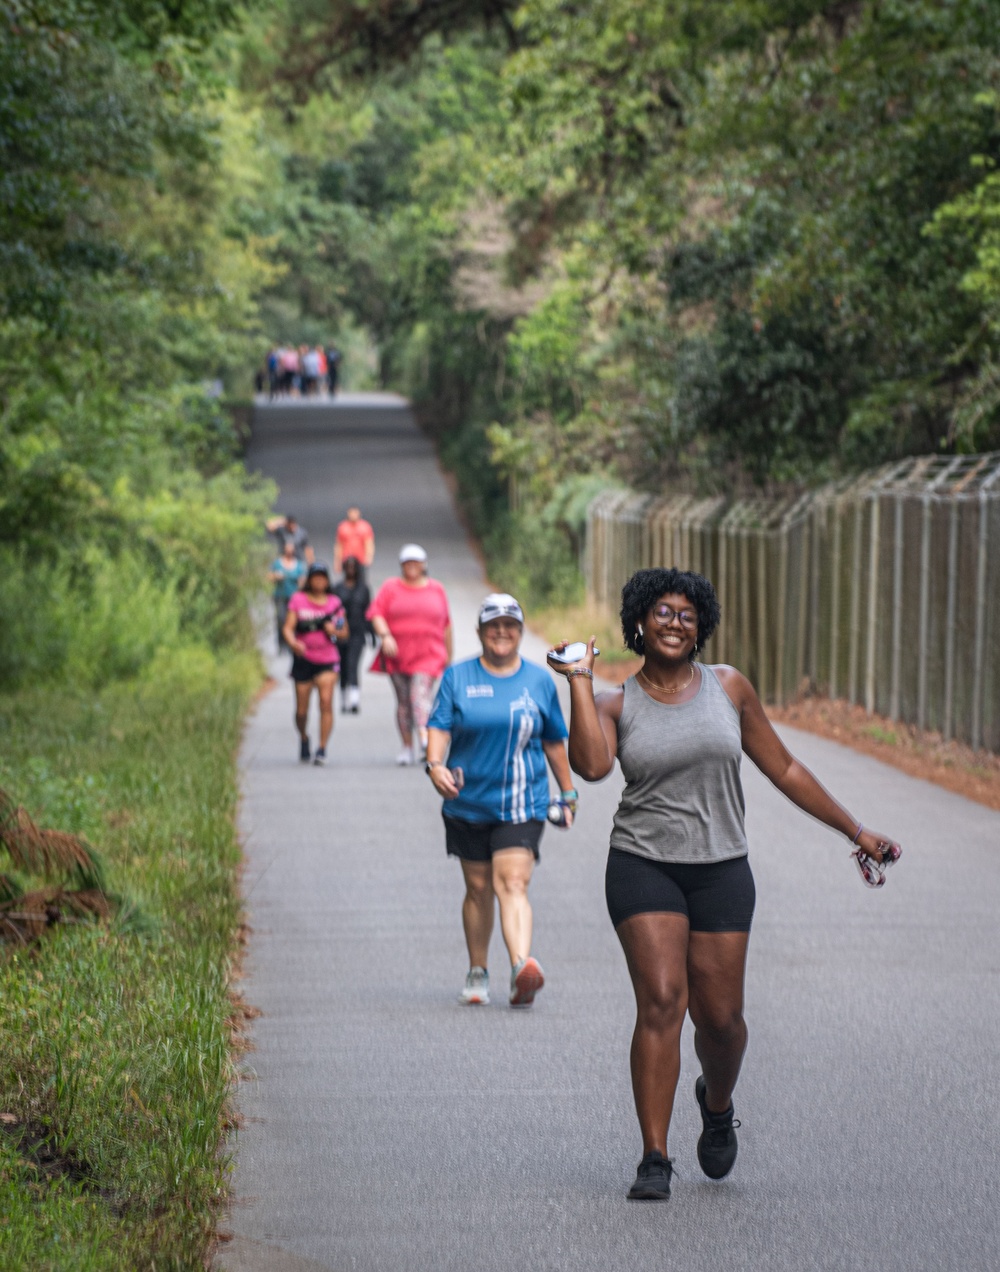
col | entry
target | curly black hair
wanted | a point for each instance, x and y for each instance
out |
(644, 589)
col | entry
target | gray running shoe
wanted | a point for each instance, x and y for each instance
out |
(477, 988)
(526, 979)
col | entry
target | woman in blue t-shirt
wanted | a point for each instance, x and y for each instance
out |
(287, 573)
(497, 718)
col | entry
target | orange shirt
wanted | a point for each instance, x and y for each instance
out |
(353, 539)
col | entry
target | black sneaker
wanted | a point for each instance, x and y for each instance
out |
(320, 756)
(652, 1183)
(304, 752)
(717, 1145)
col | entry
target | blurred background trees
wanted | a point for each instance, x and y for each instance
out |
(694, 244)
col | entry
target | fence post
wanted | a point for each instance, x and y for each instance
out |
(897, 610)
(922, 632)
(722, 646)
(805, 546)
(835, 603)
(815, 539)
(744, 594)
(873, 554)
(762, 667)
(782, 616)
(980, 645)
(947, 723)
(855, 632)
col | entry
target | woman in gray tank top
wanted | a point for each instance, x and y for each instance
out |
(679, 888)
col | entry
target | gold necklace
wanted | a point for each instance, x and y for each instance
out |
(660, 689)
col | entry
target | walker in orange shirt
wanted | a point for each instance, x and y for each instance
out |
(355, 538)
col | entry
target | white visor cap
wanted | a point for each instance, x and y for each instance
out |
(411, 552)
(500, 605)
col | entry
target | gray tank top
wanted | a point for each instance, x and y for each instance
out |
(683, 799)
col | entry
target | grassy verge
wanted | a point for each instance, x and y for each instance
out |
(114, 1061)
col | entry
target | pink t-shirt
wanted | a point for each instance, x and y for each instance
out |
(418, 618)
(309, 620)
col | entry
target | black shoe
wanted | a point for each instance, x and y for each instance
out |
(355, 710)
(717, 1145)
(320, 756)
(652, 1183)
(304, 752)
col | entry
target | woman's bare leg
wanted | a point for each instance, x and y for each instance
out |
(512, 869)
(656, 949)
(326, 685)
(477, 910)
(716, 973)
(302, 692)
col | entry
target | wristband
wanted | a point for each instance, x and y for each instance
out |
(580, 671)
(857, 834)
(571, 794)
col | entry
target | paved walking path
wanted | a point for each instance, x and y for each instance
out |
(388, 1128)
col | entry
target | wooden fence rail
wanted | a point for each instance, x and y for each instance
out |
(884, 589)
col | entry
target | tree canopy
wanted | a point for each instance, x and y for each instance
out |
(696, 243)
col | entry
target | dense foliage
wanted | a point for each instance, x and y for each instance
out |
(127, 281)
(699, 243)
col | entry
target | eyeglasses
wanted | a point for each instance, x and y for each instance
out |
(665, 615)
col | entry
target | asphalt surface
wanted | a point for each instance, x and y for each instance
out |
(386, 1127)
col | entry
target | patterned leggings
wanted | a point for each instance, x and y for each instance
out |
(414, 699)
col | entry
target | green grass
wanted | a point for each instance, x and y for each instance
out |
(114, 1060)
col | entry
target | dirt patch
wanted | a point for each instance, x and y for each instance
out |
(953, 765)
(37, 1147)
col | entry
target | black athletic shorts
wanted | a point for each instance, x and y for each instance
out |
(303, 670)
(718, 896)
(478, 841)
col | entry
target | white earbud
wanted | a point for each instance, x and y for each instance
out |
(638, 628)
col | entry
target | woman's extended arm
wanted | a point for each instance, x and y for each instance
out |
(593, 721)
(792, 778)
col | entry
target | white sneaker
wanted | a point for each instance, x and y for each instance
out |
(405, 757)
(477, 988)
(526, 979)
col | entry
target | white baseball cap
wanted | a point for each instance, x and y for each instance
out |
(499, 605)
(411, 552)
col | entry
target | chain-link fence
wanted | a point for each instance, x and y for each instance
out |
(883, 589)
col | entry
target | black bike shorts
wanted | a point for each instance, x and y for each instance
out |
(303, 671)
(478, 841)
(718, 896)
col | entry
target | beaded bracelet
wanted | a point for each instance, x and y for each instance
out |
(580, 671)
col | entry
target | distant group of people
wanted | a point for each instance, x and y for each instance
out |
(679, 889)
(305, 371)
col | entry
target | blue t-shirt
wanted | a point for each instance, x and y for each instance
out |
(497, 726)
(286, 587)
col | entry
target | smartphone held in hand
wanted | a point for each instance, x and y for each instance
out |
(572, 653)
